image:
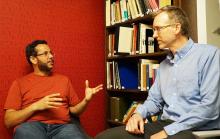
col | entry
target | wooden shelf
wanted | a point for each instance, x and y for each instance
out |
(131, 91)
(156, 55)
(134, 94)
(115, 123)
(148, 18)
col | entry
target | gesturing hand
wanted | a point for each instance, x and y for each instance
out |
(89, 92)
(47, 102)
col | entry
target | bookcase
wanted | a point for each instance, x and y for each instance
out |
(131, 53)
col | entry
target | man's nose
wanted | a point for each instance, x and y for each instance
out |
(155, 34)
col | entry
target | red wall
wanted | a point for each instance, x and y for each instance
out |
(74, 30)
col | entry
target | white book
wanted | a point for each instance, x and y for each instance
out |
(108, 12)
(151, 45)
(113, 13)
(125, 39)
(142, 38)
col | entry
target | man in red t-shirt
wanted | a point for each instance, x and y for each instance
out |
(39, 104)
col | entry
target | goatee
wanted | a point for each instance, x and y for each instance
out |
(44, 68)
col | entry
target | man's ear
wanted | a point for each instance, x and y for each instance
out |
(33, 60)
(178, 28)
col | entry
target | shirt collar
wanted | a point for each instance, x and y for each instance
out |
(180, 53)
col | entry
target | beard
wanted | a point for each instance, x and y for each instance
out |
(43, 67)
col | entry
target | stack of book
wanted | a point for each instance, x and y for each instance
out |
(134, 39)
(121, 10)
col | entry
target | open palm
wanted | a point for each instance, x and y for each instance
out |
(90, 92)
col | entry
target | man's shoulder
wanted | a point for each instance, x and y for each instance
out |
(31, 77)
(24, 77)
(207, 48)
(60, 77)
(206, 52)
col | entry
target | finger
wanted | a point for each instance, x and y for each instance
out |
(54, 95)
(128, 127)
(94, 91)
(141, 126)
(55, 103)
(87, 83)
(135, 126)
(99, 87)
(55, 99)
(54, 107)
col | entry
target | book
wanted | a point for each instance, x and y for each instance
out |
(108, 75)
(128, 71)
(107, 12)
(163, 3)
(142, 37)
(113, 20)
(134, 40)
(146, 73)
(118, 107)
(110, 44)
(124, 10)
(150, 40)
(151, 45)
(118, 11)
(125, 39)
(130, 111)
(132, 9)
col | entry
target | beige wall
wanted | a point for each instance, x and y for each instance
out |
(213, 21)
(208, 20)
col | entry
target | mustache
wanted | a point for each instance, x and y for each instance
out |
(51, 61)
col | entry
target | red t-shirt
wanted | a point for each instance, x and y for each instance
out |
(31, 88)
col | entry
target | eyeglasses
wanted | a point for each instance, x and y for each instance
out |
(159, 28)
(46, 53)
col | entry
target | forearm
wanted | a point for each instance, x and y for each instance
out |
(15, 117)
(79, 108)
(197, 117)
(154, 102)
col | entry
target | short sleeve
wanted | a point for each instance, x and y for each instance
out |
(13, 100)
(73, 97)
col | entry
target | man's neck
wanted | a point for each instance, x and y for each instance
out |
(178, 44)
(41, 73)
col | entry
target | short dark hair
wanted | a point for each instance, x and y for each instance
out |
(178, 15)
(30, 49)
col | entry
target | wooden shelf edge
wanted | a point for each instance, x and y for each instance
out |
(145, 18)
(118, 123)
(139, 56)
(136, 91)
